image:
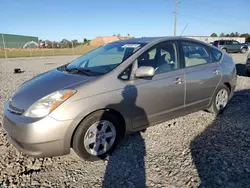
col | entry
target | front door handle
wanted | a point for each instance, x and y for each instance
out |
(178, 81)
(216, 72)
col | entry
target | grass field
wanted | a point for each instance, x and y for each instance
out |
(12, 53)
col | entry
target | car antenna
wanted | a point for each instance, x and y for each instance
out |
(184, 29)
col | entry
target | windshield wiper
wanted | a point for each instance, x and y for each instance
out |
(82, 71)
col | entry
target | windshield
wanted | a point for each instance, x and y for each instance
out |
(105, 58)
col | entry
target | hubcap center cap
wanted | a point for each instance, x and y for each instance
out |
(100, 136)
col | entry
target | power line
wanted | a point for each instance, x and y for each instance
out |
(184, 29)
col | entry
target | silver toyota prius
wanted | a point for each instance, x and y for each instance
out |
(121, 87)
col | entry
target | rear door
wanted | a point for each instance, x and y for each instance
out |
(202, 75)
(236, 46)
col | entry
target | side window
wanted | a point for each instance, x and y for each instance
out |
(236, 42)
(196, 55)
(216, 54)
(222, 42)
(229, 42)
(163, 57)
(125, 75)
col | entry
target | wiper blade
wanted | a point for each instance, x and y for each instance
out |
(76, 71)
(81, 71)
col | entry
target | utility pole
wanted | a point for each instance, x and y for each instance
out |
(175, 15)
(5, 53)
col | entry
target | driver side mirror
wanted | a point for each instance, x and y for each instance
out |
(145, 71)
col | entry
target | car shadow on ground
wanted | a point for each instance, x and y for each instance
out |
(241, 69)
(221, 153)
(126, 166)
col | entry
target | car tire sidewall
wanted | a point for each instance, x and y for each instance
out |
(78, 138)
(224, 50)
(243, 50)
(214, 108)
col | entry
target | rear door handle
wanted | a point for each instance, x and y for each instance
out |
(178, 81)
(216, 72)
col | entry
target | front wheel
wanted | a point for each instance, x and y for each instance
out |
(97, 136)
(224, 50)
(243, 50)
(219, 100)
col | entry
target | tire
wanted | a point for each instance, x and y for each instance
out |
(224, 50)
(213, 107)
(86, 132)
(243, 50)
(247, 72)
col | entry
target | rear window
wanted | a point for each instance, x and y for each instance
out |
(216, 55)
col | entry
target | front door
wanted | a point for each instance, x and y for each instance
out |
(229, 45)
(161, 97)
(202, 75)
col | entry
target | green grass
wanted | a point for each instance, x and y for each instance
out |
(79, 50)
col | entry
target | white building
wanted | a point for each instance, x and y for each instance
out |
(212, 39)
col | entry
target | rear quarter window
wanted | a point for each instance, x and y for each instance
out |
(216, 55)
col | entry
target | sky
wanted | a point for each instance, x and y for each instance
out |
(78, 19)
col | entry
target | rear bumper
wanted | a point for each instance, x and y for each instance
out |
(44, 137)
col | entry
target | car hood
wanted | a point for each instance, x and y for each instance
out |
(244, 44)
(43, 85)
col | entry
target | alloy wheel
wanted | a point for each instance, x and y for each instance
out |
(221, 99)
(100, 137)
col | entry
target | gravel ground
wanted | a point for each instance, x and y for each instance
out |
(199, 149)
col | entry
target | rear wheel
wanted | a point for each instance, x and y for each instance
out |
(219, 100)
(97, 136)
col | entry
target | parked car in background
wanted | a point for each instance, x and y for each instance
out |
(231, 46)
(121, 87)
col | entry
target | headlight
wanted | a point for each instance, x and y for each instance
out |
(49, 103)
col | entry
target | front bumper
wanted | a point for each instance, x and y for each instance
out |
(44, 137)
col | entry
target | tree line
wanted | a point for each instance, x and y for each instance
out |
(64, 43)
(236, 34)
